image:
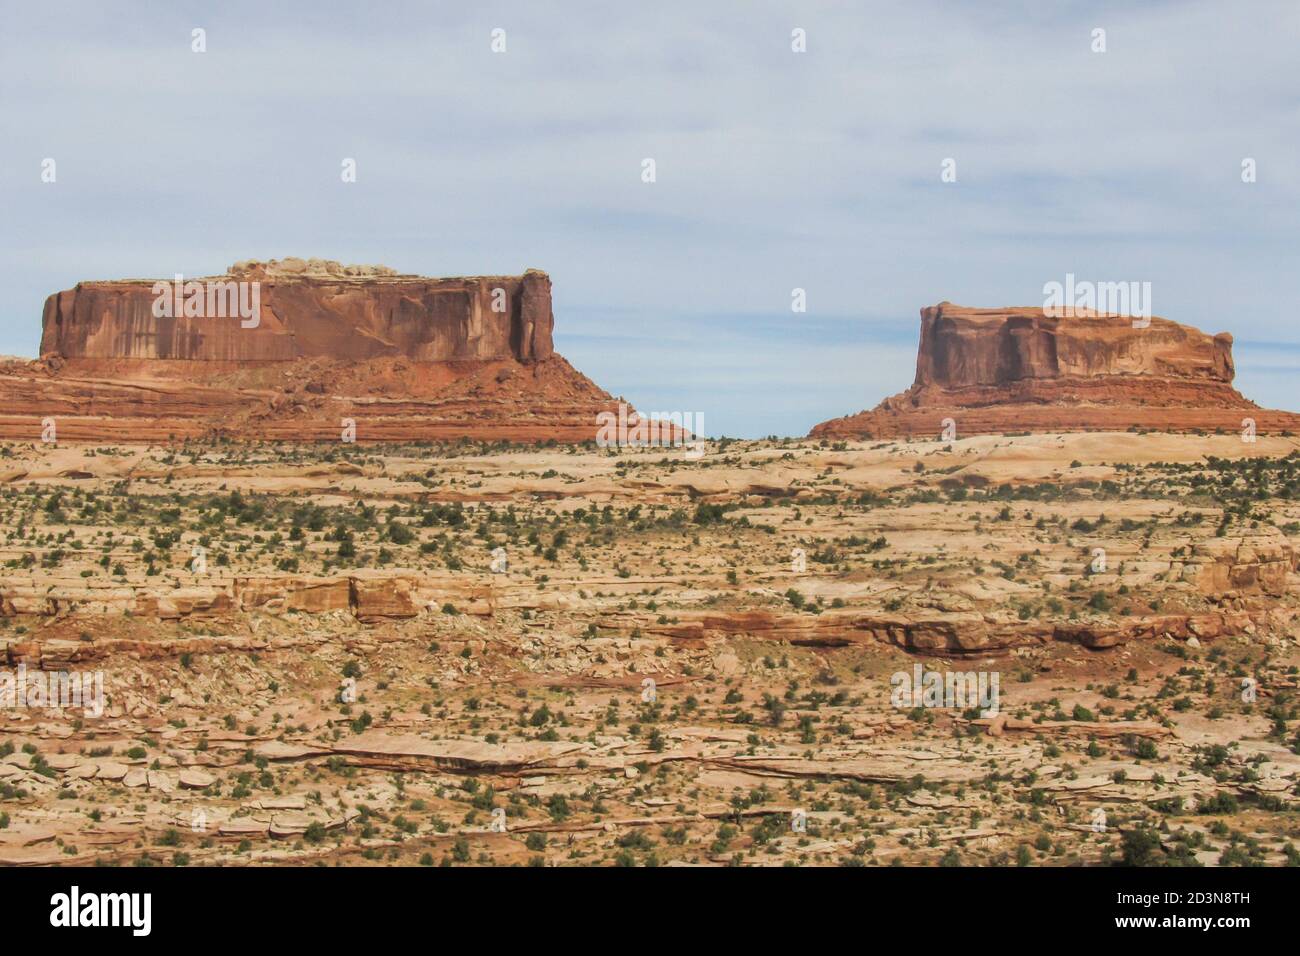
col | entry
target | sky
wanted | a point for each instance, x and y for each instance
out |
(774, 170)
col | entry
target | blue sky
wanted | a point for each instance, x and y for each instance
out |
(775, 170)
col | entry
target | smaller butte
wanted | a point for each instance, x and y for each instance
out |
(1020, 369)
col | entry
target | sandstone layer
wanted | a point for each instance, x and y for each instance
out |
(404, 357)
(1020, 369)
(309, 314)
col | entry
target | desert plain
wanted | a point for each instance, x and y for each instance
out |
(457, 654)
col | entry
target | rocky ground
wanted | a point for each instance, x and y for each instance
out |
(308, 658)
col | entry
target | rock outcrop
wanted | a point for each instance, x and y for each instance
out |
(1021, 369)
(348, 313)
(289, 349)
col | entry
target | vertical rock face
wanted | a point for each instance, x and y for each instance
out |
(963, 347)
(328, 312)
(291, 349)
(1018, 369)
(536, 318)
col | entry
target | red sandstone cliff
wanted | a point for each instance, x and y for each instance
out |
(309, 313)
(406, 357)
(1019, 369)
